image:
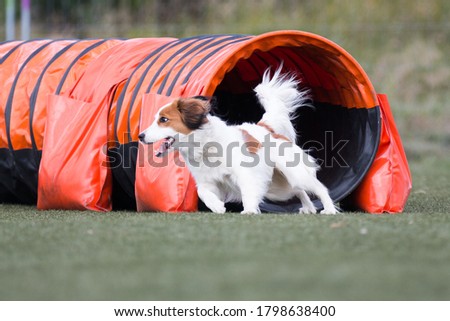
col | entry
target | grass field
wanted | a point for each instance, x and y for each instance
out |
(68, 255)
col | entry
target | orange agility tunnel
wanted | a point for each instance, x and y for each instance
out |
(71, 112)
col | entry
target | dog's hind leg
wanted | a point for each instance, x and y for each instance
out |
(321, 191)
(208, 194)
(307, 206)
(313, 185)
(301, 179)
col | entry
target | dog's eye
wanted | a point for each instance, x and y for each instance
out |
(163, 120)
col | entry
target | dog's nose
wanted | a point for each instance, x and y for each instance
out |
(141, 137)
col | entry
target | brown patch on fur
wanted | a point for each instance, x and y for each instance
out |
(193, 112)
(272, 132)
(173, 115)
(251, 143)
(184, 115)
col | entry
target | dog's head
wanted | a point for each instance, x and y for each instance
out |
(176, 120)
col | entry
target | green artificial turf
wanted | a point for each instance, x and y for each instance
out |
(69, 255)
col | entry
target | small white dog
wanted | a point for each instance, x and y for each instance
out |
(244, 163)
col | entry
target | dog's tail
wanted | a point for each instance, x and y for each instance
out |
(280, 97)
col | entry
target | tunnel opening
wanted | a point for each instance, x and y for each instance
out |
(343, 139)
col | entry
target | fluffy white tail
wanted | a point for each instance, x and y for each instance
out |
(280, 98)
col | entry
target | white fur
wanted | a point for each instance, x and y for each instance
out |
(230, 180)
(280, 98)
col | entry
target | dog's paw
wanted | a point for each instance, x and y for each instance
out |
(307, 210)
(218, 208)
(251, 211)
(329, 211)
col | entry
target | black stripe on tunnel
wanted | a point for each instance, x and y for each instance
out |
(12, 50)
(212, 53)
(202, 46)
(190, 41)
(35, 91)
(127, 83)
(69, 68)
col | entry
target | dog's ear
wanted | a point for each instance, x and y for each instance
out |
(212, 101)
(193, 112)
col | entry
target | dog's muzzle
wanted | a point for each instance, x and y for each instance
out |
(163, 148)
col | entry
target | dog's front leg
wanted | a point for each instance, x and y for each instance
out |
(252, 193)
(210, 198)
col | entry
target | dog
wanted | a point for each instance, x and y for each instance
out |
(243, 163)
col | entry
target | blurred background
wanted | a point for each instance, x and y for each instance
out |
(403, 45)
